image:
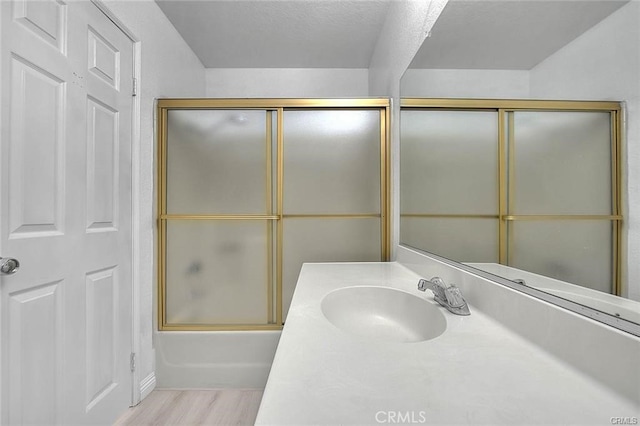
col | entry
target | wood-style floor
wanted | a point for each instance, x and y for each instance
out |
(195, 407)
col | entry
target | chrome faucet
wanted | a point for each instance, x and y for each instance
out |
(448, 296)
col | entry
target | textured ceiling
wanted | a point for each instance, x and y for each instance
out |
(475, 34)
(507, 34)
(279, 33)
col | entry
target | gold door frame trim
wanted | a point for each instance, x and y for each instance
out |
(505, 109)
(275, 208)
(503, 197)
(513, 217)
(509, 104)
(269, 207)
(221, 327)
(616, 182)
(162, 207)
(385, 183)
(217, 217)
(333, 216)
(270, 103)
(546, 217)
(280, 209)
(451, 216)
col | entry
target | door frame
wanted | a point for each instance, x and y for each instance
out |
(135, 197)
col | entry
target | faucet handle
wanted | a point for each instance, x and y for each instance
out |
(454, 297)
(448, 296)
(438, 282)
(438, 288)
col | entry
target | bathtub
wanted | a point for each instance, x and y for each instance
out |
(214, 359)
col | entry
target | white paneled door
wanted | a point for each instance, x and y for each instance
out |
(65, 214)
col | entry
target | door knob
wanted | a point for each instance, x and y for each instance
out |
(8, 265)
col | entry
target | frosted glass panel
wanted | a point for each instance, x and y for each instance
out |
(332, 162)
(578, 252)
(217, 272)
(217, 162)
(326, 240)
(449, 162)
(464, 240)
(562, 163)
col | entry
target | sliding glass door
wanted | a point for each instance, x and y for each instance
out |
(529, 184)
(562, 212)
(249, 190)
(449, 183)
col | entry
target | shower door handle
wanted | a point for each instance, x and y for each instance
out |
(8, 265)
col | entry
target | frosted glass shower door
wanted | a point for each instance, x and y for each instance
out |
(560, 163)
(449, 183)
(531, 184)
(219, 218)
(217, 272)
(561, 196)
(214, 155)
(249, 189)
(332, 189)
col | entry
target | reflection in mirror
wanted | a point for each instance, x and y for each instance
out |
(521, 197)
(455, 214)
(528, 190)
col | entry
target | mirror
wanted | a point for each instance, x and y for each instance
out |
(531, 190)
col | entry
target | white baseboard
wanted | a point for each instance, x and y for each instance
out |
(147, 385)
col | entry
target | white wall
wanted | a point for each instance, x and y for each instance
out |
(407, 25)
(604, 64)
(462, 83)
(169, 68)
(286, 83)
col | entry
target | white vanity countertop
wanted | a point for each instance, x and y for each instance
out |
(476, 372)
(613, 305)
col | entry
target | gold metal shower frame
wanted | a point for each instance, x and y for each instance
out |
(505, 109)
(277, 107)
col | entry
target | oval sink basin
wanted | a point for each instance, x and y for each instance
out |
(383, 313)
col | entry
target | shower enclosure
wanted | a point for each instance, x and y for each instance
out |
(526, 183)
(251, 189)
